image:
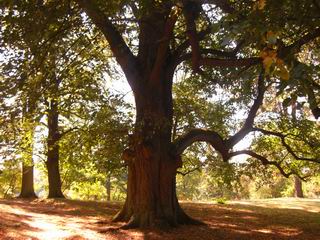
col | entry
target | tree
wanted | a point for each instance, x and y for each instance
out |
(244, 46)
(27, 183)
(152, 157)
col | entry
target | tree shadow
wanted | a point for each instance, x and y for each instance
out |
(228, 221)
(15, 226)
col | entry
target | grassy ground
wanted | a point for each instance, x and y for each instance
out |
(68, 219)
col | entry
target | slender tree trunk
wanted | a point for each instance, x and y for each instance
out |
(52, 162)
(108, 187)
(298, 192)
(27, 184)
(27, 189)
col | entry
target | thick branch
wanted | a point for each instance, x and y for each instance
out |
(312, 101)
(198, 60)
(200, 135)
(121, 51)
(287, 146)
(164, 44)
(190, 17)
(236, 62)
(226, 54)
(248, 124)
(179, 55)
(295, 47)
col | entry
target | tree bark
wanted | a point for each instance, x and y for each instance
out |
(151, 191)
(298, 192)
(108, 187)
(27, 189)
(52, 162)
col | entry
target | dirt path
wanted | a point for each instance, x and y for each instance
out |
(67, 219)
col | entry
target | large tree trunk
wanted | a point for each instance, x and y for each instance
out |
(151, 190)
(27, 189)
(52, 162)
(298, 192)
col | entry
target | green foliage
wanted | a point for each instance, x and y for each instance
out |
(10, 178)
(221, 200)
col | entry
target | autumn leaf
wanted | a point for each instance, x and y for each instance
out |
(271, 37)
(283, 71)
(269, 57)
(260, 5)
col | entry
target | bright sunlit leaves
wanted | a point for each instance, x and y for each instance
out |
(260, 5)
(269, 57)
(272, 64)
(283, 72)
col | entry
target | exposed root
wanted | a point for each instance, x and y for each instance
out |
(133, 223)
(123, 215)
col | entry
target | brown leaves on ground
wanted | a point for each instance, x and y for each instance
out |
(77, 220)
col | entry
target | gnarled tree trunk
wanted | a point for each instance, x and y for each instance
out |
(152, 164)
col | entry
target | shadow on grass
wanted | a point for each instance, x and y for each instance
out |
(257, 220)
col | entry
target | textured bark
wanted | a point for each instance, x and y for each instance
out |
(52, 162)
(298, 192)
(27, 189)
(152, 165)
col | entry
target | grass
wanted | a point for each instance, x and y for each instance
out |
(68, 219)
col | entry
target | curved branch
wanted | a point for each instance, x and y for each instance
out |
(286, 145)
(197, 59)
(190, 17)
(200, 135)
(248, 124)
(266, 162)
(120, 49)
(231, 62)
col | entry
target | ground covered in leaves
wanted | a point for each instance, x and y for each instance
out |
(69, 219)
